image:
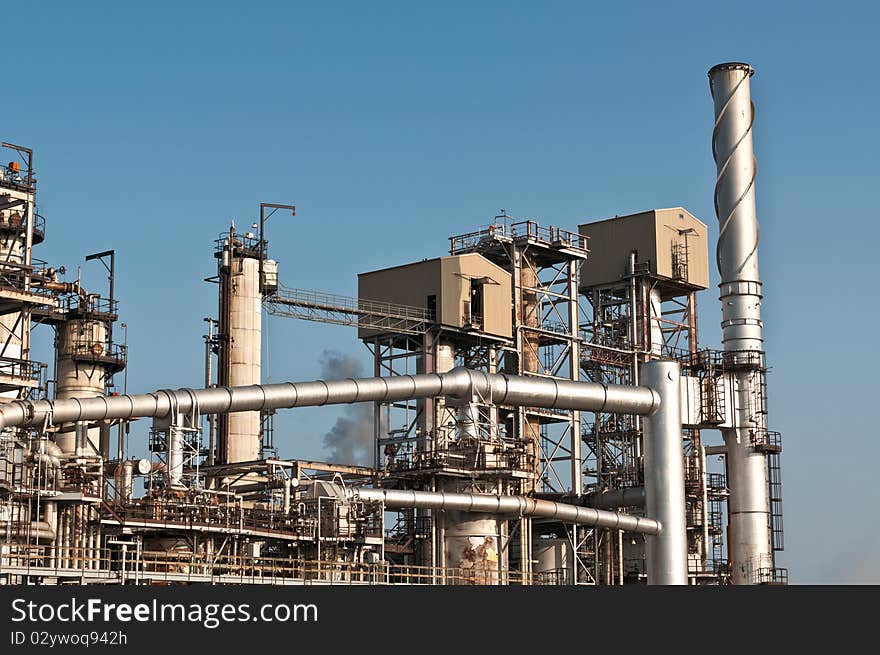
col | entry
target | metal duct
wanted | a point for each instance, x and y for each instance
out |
(656, 313)
(459, 383)
(175, 456)
(737, 254)
(508, 505)
(39, 531)
(664, 477)
(614, 498)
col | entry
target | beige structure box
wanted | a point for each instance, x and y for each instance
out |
(673, 243)
(464, 291)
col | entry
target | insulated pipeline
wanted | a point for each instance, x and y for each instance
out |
(508, 505)
(459, 383)
(615, 498)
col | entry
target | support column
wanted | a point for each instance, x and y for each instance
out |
(664, 476)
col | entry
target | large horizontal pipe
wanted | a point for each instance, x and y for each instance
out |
(509, 505)
(459, 383)
(40, 531)
(614, 498)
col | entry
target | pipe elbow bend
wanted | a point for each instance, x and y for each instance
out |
(458, 382)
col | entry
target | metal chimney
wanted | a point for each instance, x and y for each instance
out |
(749, 533)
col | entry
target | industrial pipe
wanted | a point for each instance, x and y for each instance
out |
(40, 531)
(48, 453)
(174, 472)
(459, 383)
(60, 287)
(664, 477)
(615, 498)
(512, 505)
(749, 540)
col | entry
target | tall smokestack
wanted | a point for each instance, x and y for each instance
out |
(749, 532)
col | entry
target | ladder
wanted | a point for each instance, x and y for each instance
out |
(774, 480)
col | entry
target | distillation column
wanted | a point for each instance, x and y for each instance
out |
(77, 341)
(749, 535)
(240, 343)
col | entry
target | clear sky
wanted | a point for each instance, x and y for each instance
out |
(392, 126)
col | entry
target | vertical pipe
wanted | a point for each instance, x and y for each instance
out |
(90, 540)
(174, 457)
(224, 290)
(749, 541)
(50, 516)
(75, 536)
(61, 554)
(664, 476)
(704, 556)
(209, 382)
(468, 421)
(126, 490)
(574, 373)
(28, 260)
(656, 318)
(104, 439)
(122, 567)
(633, 312)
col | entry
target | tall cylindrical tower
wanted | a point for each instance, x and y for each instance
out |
(750, 547)
(240, 336)
(85, 361)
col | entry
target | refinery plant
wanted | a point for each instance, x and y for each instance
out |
(541, 410)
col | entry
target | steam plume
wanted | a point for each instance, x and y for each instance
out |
(350, 440)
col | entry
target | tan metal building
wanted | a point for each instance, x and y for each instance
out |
(672, 243)
(463, 291)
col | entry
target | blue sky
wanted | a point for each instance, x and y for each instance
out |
(394, 125)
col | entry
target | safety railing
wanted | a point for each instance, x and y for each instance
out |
(13, 274)
(91, 304)
(770, 575)
(721, 360)
(530, 230)
(766, 441)
(184, 515)
(20, 369)
(83, 348)
(148, 566)
(14, 221)
(475, 456)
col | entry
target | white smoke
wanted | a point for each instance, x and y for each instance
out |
(350, 440)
